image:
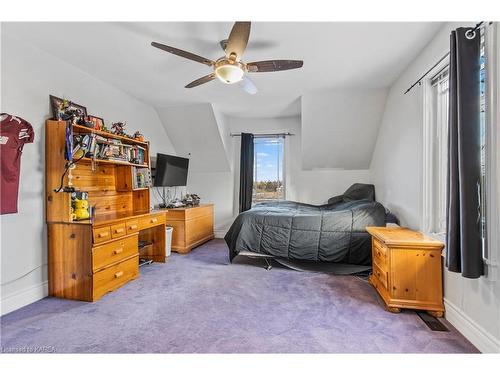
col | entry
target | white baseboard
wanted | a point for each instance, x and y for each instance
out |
(481, 339)
(24, 297)
(220, 233)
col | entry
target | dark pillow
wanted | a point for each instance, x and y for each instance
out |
(390, 217)
(336, 199)
(360, 191)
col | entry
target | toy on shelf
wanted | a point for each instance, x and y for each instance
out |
(119, 128)
(80, 206)
(138, 136)
(191, 200)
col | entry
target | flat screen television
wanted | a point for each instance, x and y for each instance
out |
(170, 170)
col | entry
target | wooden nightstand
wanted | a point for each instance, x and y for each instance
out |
(407, 271)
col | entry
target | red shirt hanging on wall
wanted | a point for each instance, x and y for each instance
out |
(14, 133)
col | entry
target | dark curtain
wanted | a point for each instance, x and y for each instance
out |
(246, 171)
(463, 242)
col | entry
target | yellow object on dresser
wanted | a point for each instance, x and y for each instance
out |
(407, 271)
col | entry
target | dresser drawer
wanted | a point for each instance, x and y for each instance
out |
(380, 247)
(132, 226)
(380, 275)
(151, 221)
(101, 234)
(379, 255)
(113, 252)
(118, 230)
(115, 276)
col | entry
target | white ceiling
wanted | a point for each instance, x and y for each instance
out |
(336, 55)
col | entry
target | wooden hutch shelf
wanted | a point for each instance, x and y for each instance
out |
(89, 258)
(84, 129)
(116, 162)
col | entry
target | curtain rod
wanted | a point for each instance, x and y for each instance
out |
(263, 134)
(419, 81)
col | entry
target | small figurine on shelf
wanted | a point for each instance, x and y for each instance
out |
(80, 206)
(119, 128)
(138, 136)
(104, 128)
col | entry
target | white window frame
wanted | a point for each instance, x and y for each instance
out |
(428, 199)
(283, 161)
(492, 38)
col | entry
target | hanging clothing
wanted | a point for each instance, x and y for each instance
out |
(246, 171)
(14, 134)
(463, 237)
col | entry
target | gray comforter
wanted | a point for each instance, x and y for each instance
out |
(333, 232)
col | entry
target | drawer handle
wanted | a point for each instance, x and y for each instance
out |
(132, 227)
(102, 234)
(118, 251)
(154, 220)
(118, 274)
(119, 230)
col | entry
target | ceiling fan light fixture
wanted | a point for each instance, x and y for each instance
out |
(229, 73)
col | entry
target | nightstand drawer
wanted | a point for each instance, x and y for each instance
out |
(381, 275)
(379, 256)
(118, 230)
(101, 234)
(380, 247)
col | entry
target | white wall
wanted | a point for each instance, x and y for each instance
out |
(29, 75)
(340, 127)
(473, 306)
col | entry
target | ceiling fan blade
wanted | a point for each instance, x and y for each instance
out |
(238, 39)
(247, 85)
(201, 81)
(223, 44)
(185, 54)
(273, 65)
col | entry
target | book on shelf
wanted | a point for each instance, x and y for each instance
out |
(99, 147)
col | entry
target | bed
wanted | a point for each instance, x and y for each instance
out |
(334, 232)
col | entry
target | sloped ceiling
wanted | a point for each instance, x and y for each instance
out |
(194, 132)
(339, 128)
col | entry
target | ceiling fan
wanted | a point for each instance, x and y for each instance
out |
(230, 68)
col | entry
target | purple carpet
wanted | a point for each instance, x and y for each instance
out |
(198, 303)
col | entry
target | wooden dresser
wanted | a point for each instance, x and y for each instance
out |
(192, 226)
(89, 258)
(407, 270)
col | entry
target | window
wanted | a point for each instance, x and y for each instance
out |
(483, 142)
(438, 151)
(268, 169)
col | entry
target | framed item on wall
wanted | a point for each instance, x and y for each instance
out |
(63, 109)
(97, 121)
